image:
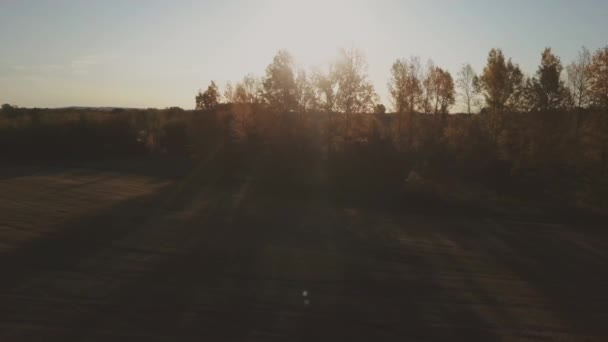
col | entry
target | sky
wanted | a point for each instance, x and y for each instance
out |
(152, 53)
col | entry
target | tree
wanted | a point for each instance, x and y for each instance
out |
(447, 91)
(325, 86)
(306, 96)
(598, 78)
(397, 86)
(517, 100)
(209, 99)
(547, 87)
(578, 78)
(416, 90)
(428, 82)
(280, 87)
(229, 92)
(254, 88)
(250, 90)
(379, 109)
(466, 84)
(502, 82)
(355, 93)
(439, 89)
(240, 94)
(6, 108)
(405, 86)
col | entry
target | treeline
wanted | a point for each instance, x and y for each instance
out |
(541, 138)
(344, 86)
(551, 157)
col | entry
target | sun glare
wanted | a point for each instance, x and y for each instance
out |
(313, 30)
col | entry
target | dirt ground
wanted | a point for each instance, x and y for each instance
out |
(90, 253)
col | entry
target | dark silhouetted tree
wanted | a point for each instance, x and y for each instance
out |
(548, 90)
(380, 109)
(517, 101)
(208, 99)
(7, 108)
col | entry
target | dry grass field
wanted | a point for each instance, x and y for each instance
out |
(125, 252)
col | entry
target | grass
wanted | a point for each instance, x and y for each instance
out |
(121, 250)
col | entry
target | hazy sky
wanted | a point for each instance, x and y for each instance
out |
(159, 53)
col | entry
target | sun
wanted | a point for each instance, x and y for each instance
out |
(314, 30)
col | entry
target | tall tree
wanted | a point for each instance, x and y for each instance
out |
(447, 92)
(429, 81)
(208, 99)
(229, 92)
(306, 96)
(501, 83)
(578, 78)
(326, 87)
(405, 86)
(280, 84)
(466, 84)
(398, 86)
(355, 92)
(416, 76)
(549, 90)
(517, 85)
(440, 93)
(598, 78)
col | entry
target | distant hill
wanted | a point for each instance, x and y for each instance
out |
(100, 109)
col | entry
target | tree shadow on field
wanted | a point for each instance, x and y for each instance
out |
(567, 264)
(226, 257)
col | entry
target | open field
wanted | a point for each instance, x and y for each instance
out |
(126, 253)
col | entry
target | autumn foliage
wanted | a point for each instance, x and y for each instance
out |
(542, 138)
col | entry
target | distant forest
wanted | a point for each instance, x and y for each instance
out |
(541, 139)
